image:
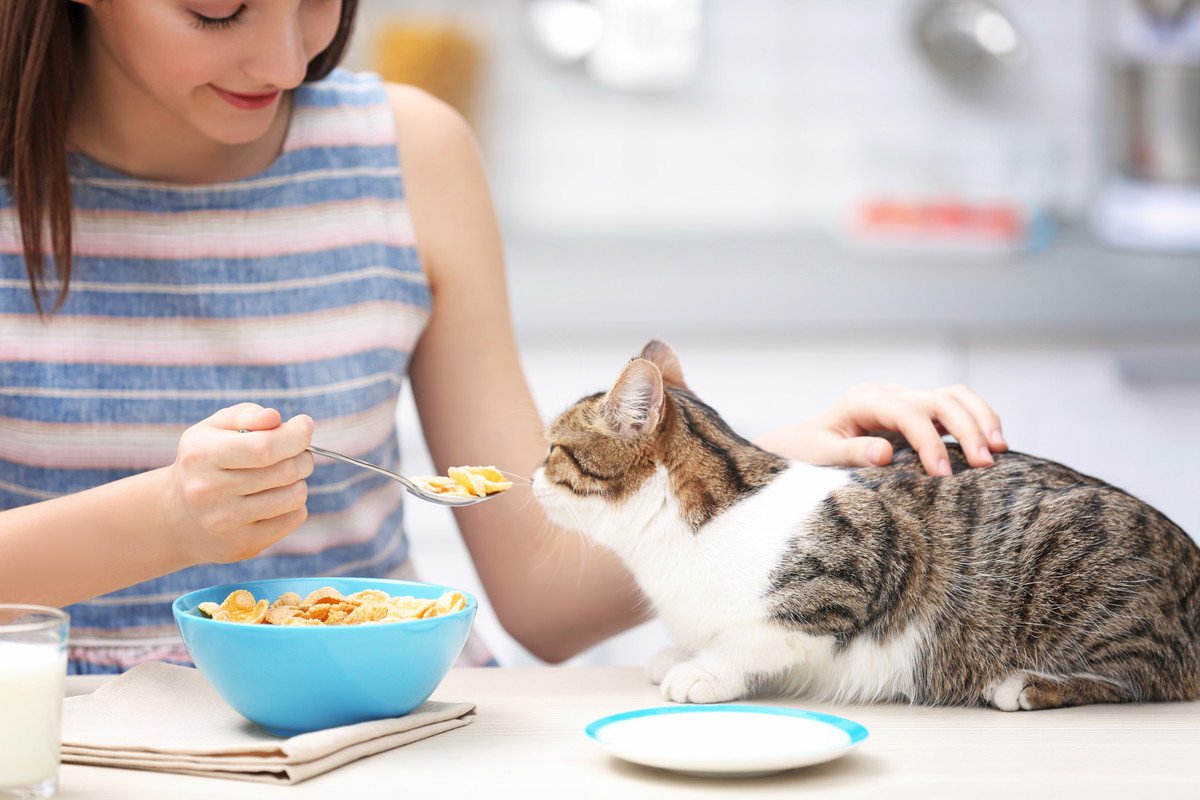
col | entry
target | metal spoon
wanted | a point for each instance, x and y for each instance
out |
(407, 483)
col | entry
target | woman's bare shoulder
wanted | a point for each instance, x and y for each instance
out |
(445, 186)
(425, 125)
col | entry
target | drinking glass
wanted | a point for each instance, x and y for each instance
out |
(33, 666)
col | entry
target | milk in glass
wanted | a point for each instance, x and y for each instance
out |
(31, 695)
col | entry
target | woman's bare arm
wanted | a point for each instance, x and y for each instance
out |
(552, 590)
(76, 547)
(227, 496)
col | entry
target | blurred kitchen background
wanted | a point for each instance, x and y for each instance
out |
(801, 195)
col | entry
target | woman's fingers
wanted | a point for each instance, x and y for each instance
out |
(958, 411)
(255, 449)
(857, 451)
(247, 482)
(954, 417)
(841, 435)
(987, 419)
(275, 502)
(244, 416)
(920, 432)
(258, 536)
(883, 408)
(248, 436)
(269, 531)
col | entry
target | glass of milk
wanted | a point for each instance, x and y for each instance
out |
(33, 665)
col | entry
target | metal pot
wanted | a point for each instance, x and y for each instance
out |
(1156, 120)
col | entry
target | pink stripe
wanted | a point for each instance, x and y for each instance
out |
(131, 446)
(126, 657)
(69, 446)
(233, 234)
(127, 631)
(341, 126)
(295, 338)
(338, 138)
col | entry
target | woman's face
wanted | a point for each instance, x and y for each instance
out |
(219, 66)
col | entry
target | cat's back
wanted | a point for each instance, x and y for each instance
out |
(1025, 519)
(1020, 496)
(1027, 558)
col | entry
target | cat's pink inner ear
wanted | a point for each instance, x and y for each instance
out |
(667, 362)
(634, 405)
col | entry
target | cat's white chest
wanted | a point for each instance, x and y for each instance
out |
(719, 575)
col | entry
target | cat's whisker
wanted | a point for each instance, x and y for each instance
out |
(517, 478)
(558, 544)
(588, 545)
(551, 546)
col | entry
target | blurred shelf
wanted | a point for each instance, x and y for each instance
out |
(791, 284)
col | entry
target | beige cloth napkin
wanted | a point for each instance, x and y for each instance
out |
(169, 718)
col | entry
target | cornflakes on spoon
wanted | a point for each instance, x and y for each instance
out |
(465, 482)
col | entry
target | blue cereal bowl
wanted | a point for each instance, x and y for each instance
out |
(295, 679)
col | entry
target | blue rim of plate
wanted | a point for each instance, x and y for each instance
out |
(856, 731)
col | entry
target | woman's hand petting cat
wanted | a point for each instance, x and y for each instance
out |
(841, 434)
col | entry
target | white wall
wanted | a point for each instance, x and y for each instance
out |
(799, 109)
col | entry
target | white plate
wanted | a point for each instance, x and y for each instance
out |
(726, 740)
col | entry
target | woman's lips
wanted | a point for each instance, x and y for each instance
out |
(247, 102)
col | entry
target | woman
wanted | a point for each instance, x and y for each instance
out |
(202, 220)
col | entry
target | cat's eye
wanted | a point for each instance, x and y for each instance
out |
(567, 469)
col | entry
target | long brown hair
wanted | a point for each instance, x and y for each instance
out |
(38, 43)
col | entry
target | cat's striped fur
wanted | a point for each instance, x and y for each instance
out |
(1024, 585)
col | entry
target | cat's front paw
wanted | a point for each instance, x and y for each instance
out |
(691, 682)
(662, 662)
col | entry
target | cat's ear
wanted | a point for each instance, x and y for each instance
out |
(667, 362)
(634, 405)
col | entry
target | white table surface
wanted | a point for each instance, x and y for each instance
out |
(527, 741)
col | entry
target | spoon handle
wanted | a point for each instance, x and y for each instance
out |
(320, 451)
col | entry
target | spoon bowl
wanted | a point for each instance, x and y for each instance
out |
(409, 484)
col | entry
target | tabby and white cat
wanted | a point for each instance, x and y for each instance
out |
(1025, 585)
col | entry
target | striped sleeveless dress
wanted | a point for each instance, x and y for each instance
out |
(298, 288)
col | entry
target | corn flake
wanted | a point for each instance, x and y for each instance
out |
(239, 606)
(466, 482)
(325, 594)
(287, 599)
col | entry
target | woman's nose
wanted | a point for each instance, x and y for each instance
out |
(281, 60)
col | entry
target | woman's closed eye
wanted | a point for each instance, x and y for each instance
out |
(207, 22)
